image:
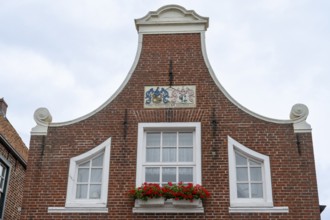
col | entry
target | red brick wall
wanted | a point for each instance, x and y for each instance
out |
(15, 187)
(293, 174)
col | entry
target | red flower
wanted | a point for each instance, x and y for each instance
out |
(178, 191)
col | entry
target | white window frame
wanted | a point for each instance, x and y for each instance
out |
(249, 205)
(71, 200)
(176, 126)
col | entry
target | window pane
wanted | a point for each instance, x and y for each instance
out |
(255, 173)
(1, 170)
(153, 139)
(240, 160)
(81, 191)
(254, 163)
(256, 190)
(152, 174)
(242, 190)
(186, 174)
(169, 174)
(95, 191)
(169, 154)
(242, 174)
(86, 164)
(169, 139)
(153, 154)
(185, 139)
(186, 154)
(2, 181)
(96, 176)
(98, 161)
(83, 174)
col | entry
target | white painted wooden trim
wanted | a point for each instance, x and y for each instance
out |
(76, 210)
(280, 209)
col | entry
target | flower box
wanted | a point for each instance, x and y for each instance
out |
(154, 202)
(178, 196)
(186, 203)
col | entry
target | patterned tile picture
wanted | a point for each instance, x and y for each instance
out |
(169, 97)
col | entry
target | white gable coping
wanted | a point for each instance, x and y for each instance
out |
(176, 19)
(171, 19)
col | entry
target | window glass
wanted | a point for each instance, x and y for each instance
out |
(169, 139)
(89, 178)
(243, 190)
(256, 174)
(95, 191)
(98, 161)
(83, 174)
(242, 174)
(82, 191)
(248, 177)
(240, 160)
(186, 154)
(169, 154)
(186, 174)
(96, 176)
(2, 176)
(169, 174)
(152, 174)
(256, 190)
(153, 154)
(153, 139)
(185, 139)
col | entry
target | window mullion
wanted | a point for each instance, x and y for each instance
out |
(89, 178)
(249, 178)
(161, 147)
(161, 159)
(177, 157)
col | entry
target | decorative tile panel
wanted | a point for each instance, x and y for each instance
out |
(169, 97)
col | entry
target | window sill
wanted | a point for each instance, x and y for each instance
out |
(77, 210)
(281, 209)
(168, 207)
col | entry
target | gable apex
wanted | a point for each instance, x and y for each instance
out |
(172, 19)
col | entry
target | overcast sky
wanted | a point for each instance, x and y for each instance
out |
(70, 56)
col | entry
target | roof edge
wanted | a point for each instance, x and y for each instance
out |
(13, 151)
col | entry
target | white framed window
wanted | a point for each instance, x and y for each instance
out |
(249, 177)
(169, 152)
(249, 180)
(88, 178)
